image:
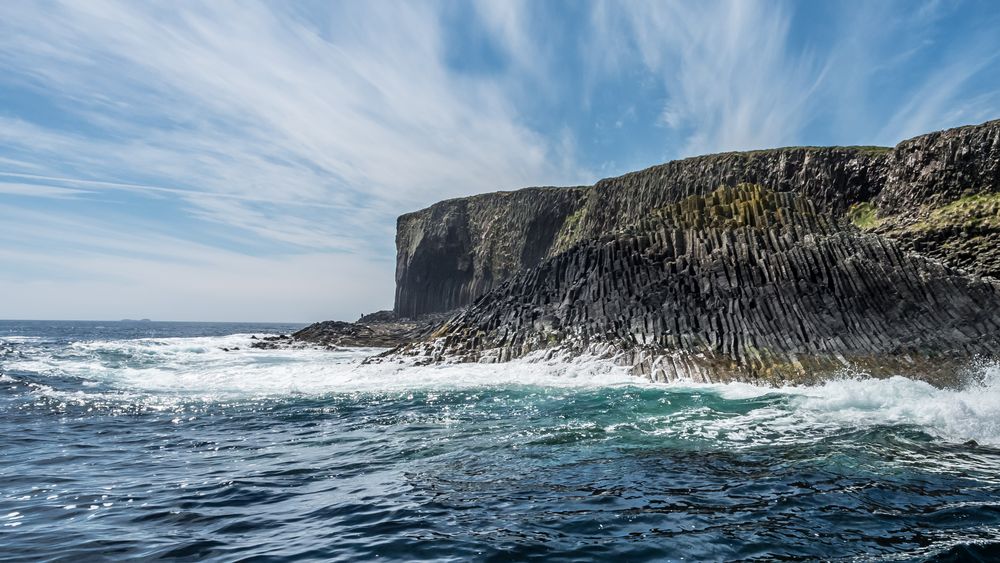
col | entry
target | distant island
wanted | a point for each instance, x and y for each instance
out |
(135, 321)
(773, 266)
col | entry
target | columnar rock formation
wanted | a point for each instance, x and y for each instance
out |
(454, 251)
(776, 265)
(744, 283)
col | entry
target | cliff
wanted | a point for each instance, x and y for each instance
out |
(777, 265)
(454, 251)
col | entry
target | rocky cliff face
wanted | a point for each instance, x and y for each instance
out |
(769, 265)
(744, 283)
(939, 168)
(457, 250)
(941, 198)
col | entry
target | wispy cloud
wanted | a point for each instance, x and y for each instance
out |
(40, 190)
(312, 130)
(736, 76)
(731, 82)
(256, 137)
(246, 98)
(159, 275)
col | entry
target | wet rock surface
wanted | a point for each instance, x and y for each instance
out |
(378, 330)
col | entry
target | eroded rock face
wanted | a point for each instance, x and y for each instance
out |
(774, 266)
(745, 284)
(454, 251)
(939, 168)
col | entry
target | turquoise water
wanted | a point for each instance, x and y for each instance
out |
(148, 441)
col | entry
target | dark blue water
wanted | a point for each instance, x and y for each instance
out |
(149, 441)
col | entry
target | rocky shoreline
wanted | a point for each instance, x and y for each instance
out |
(776, 266)
(382, 329)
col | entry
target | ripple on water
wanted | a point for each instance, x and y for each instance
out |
(173, 448)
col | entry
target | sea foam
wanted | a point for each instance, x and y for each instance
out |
(167, 370)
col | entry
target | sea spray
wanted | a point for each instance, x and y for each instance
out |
(206, 445)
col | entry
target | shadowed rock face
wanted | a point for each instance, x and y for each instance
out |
(454, 251)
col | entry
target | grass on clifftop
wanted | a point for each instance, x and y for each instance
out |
(864, 149)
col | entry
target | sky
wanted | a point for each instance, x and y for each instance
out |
(246, 161)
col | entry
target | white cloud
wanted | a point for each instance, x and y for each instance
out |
(941, 101)
(255, 99)
(730, 79)
(127, 271)
(735, 78)
(312, 133)
(40, 190)
(232, 287)
(299, 134)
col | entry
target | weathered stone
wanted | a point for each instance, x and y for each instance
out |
(742, 283)
(454, 251)
(377, 330)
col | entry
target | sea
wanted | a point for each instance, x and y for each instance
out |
(178, 441)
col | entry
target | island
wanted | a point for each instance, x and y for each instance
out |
(778, 266)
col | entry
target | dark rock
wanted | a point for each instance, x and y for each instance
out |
(379, 330)
(454, 251)
(772, 266)
(378, 317)
(743, 283)
(271, 342)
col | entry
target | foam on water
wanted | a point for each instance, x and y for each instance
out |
(167, 370)
(174, 447)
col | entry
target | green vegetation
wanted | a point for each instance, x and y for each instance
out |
(732, 207)
(567, 234)
(970, 213)
(863, 216)
(867, 149)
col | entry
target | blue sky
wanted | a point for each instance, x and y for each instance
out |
(246, 161)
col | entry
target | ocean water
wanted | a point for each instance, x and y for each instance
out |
(149, 441)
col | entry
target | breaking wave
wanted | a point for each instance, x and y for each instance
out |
(163, 372)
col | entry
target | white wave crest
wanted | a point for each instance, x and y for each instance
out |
(227, 366)
(166, 370)
(858, 402)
